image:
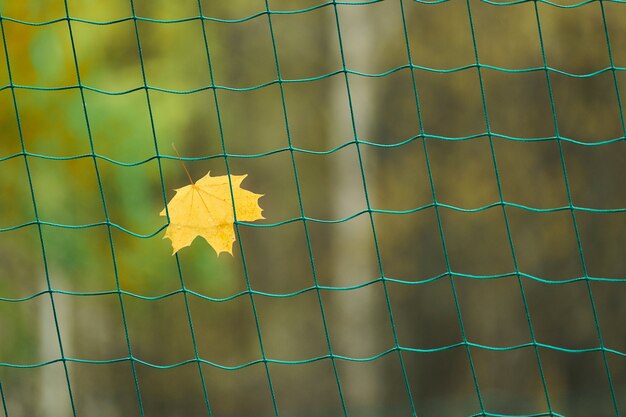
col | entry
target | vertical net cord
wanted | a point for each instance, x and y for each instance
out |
(397, 347)
(623, 124)
(104, 204)
(236, 223)
(438, 214)
(613, 71)
(302, 215)
(63, 359)
(505, 213)
(4, 402)
(573, 214)
(184, 289)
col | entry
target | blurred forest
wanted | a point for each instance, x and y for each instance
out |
(496, 299)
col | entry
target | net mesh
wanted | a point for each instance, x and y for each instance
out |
(96, 163)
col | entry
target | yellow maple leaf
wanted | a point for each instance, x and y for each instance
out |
(205, 209)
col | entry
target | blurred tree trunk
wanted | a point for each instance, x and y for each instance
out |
(356, 316)
(53, 400)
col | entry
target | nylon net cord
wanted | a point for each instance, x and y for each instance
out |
(357, 143)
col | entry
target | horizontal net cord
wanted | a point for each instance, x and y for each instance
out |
(453, 274)
(287, 12)
(547, 413)
(327, 221)
(314, 152)
(463, 344)
(278, 81)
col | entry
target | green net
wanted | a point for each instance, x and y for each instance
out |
(444, 194)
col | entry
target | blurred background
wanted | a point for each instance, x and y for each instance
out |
(450, 271)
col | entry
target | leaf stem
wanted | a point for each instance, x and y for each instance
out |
(183, 164)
